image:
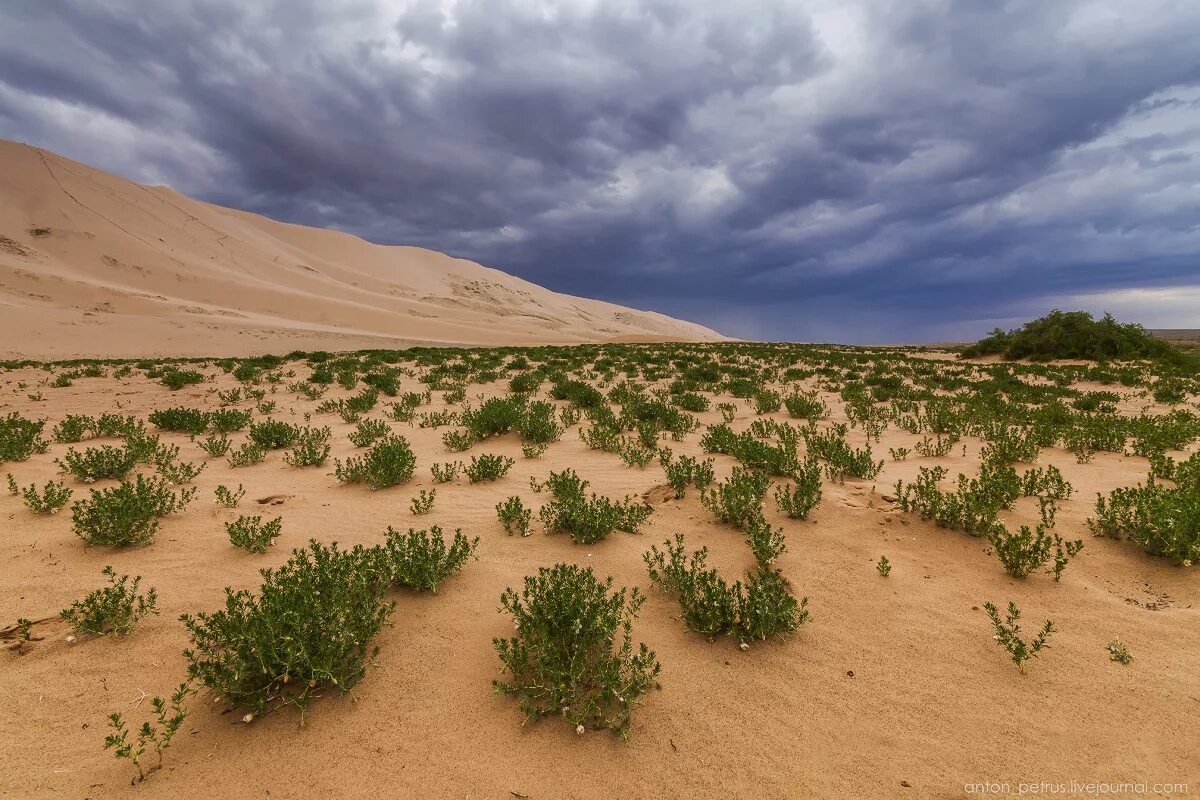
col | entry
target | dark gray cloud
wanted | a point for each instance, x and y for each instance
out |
(820, 170)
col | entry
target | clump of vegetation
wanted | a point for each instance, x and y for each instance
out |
(389, 462)
(444, 473)
(273, 434)
(54, 496)
(311, 448)
(799, 499)
(1117, 651)
(127, 514)
(488, 467)
(686, 471)
(514, 516)
(159, 734)
(758, 609)
(883, 566)
(368, 432)
(805, 405)
(587, 519)
(73, 428)
(111, 610)
(422, 504)
(229, 498)
(738, 500)
(246, 455)
(216, 445)
(98, 463)
(180, 420)
(1008, 634)
(1162, 520)
(1073, 334)
(573, 653)
(422, 560)
(310, 626)
(252, 534)
(1023, 552)
(176, 379)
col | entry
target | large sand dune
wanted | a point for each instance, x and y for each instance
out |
(94, 265)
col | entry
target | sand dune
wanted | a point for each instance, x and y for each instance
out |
(95, 265)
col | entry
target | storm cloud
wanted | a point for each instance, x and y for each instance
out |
(854, 171)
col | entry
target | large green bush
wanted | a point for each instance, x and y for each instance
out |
(309, 627)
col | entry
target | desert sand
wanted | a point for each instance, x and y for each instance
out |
(100, 266)
(895, 689)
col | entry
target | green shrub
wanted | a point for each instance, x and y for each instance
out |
(368, 432)
(171, 469)
(444, 473)
(588, 520)
(249, 453)
(457, 441)
(1008, 634)
(1074, 334)
(97, 463)
(1163, 521)
(53, 496)
(1022, 553)
(229, 498)
(388, 463)
(272, 434)
(180, 420)
(1117, 651)
(422, 560)
(514, 516)
(20, 438)
(310, 626)
(252, 534)
(228, 420)
(759, 609)
(112, 609)
(496, 416)
(685, 471)
(737, 500)
(423, 503)
(127, 514)
(805, 405)
(73, 428)
(310, 449)
(690, 401)
(488, 467)
(799, 500)
(216, 445)
(537, 425)
(159, 735)
(573, 651)
(766, 401)
(176, 379)
(766, 542)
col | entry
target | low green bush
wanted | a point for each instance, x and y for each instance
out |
(127, 514)
(488, 467)
(252, 534)
(389, 462)
(572, 653)
(54, 496)
(514, 516)
(758, 609)
(112, 609)
(422, 560)
(310, 627)
(98, 463)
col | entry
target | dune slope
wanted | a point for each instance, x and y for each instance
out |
(96, 265)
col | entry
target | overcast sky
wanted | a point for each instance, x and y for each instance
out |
(846, 170)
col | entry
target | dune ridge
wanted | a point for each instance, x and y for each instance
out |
(97, 265)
